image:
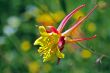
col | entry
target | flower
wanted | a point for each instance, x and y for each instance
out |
(8, 30)
(86, 54)
(25, 46)
(34, 67)
(45, 20)
(52, 40)
(47, 68)
(102, 4)
(14, 21)
(48, 19)
(91, 27)
(48, 42)
(58, 16)
(78, 14)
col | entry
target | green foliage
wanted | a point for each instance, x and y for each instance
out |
(19, 29)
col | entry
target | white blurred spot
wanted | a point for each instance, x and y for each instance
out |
(14, 21)
(32, 10)
(8, 30)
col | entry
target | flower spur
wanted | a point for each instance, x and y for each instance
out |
(52, 40)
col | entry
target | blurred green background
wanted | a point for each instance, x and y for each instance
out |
(18, 22)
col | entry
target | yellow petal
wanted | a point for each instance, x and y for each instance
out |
(48, 44)
(59, 54)
(42, 31)
(38, 41)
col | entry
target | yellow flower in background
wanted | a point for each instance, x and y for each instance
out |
(58, 16)
(91, 27)
(45, 19)
(86, 54)
(47, 68)
(34, 67)
(48, 43)
(48, 19)
(25, 46)
(78, 14)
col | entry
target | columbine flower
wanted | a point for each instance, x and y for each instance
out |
(52, 40)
